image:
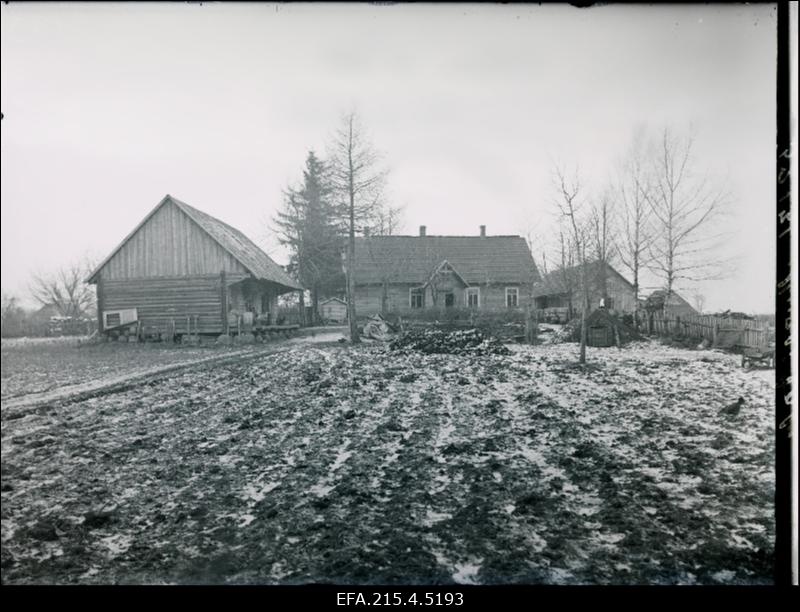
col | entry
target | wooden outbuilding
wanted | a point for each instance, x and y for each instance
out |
(182, 271)
(559, 293)
(676, 304)
(333, 309)
(603, 328)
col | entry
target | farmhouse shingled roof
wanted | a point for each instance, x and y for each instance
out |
(412, 259)
(229, 238)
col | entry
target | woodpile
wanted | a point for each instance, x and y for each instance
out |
(460, 342)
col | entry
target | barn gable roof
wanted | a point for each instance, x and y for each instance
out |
(412, 259)
(554, 283)
(656, 301)
(333, 299)
(244, 250)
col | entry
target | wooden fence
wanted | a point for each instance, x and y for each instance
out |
(717, 330)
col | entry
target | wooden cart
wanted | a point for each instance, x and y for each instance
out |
(758, 355)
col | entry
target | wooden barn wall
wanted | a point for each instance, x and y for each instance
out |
(620, 291)
(336, 311)
(169, 244)
(624, 298)
(160, 301)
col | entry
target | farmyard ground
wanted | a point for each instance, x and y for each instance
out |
(329, 463)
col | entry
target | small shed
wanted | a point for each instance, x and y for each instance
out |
(605, 329)
(333, 309)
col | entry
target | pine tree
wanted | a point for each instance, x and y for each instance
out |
(308, 227)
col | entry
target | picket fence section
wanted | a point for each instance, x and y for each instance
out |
(717, 330)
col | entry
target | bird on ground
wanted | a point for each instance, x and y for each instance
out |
(734, 408)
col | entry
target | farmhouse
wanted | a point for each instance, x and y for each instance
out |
(183, 271)
(413, 274)
(559, 292)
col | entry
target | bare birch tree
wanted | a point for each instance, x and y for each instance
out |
(601, 238)
(684, 206)
(633, 190)
(569, 204)
(359, 181)
(567, 269)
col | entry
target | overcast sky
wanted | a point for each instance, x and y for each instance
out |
(108, 108)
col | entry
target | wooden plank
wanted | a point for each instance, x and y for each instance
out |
(224, 302)
(100, 304)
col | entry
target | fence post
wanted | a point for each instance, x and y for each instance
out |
(714, 333)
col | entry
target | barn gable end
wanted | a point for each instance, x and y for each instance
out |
(167, 243)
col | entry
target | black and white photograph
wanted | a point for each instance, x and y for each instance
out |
(437, 295)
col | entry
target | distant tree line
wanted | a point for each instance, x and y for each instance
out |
(66, 303)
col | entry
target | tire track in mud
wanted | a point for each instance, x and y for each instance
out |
(18, 406)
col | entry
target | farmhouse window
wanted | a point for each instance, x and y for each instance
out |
(512, 297)
(417, 298)
(473, 297)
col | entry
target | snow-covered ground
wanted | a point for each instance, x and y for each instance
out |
(362, 465)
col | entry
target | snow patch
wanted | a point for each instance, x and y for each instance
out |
(246, 519)
(467, 573)
(321, 490)
(257, 492)
(723, 576)
(432, 518)
(117, 543)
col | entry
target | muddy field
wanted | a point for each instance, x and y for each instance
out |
(330, 463)
(40, 365)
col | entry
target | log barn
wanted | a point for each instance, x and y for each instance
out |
(182, 271)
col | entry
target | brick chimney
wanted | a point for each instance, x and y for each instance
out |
(483, 230)
(421, 230)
